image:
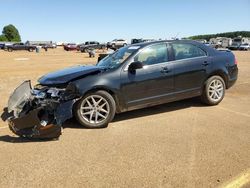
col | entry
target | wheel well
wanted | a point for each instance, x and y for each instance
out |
(221, 74)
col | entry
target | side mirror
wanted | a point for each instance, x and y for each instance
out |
(102, 56)
(135, 65)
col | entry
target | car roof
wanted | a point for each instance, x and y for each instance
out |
(208, 49)
(143, 44)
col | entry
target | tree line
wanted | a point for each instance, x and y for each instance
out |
(227, 34)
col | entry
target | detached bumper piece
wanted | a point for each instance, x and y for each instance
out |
(30, 126)
(39, 113)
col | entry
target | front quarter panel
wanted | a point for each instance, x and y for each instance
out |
(108, 81)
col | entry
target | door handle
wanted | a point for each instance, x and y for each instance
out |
(165, 70)
(205, 63)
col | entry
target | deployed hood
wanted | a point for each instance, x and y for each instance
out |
(66, 75)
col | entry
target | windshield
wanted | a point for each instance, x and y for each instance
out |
(118, 57)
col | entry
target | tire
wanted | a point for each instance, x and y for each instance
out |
(124, 44)
(214, 91)
(10, 49)
(113, 45)
(92, 115)
(30, 49)
(84, 50)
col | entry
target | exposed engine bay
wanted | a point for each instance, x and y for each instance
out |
(39, 112)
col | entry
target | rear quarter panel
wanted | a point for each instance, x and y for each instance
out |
(223, 64)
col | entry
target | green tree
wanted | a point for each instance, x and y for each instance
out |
(11, 33)
(3, 38)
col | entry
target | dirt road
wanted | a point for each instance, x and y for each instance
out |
(181, 144)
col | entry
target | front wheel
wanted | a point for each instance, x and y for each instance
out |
(214, 90)
(95, 110)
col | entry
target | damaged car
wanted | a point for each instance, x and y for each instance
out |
(133, 77)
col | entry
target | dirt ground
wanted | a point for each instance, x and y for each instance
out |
(181, 144)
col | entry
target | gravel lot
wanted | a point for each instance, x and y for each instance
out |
(181, 144)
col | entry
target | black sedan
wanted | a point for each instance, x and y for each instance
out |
(133, 77)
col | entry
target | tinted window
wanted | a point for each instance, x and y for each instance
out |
(153, 54)
(185, 51)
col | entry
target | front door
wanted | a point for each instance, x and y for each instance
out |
(151, 84)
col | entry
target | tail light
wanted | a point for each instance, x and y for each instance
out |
(235, 61)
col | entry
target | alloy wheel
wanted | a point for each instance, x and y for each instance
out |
(215, 90)
(95, 109)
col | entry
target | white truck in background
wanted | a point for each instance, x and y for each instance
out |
(238, 41)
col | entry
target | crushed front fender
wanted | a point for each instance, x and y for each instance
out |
(39, 113)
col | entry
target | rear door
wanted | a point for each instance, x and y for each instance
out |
(191, 64)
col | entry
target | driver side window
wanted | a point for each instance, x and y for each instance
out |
(153, 55)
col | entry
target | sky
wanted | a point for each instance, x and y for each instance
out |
(104, 20)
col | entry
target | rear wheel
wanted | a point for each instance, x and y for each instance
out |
(214, 90)
(95, 110)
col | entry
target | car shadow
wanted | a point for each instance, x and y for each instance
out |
(15, 139)
(73, 124)
(163, 108)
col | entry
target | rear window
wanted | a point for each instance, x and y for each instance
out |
(186, 51)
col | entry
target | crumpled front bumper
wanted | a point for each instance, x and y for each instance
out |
(37, 120)
(30, 126)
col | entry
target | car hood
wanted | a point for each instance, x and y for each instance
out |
(69, 74)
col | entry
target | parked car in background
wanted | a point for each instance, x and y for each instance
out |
(117, 43)
(78, 46)
(234, 46)
(70, 46)
(53, 45)
(135, 41)
(91, 45)
(44, 44)
(2, 46)
(238, 41)
(20, 46)
(203, 41)
(245, 46)
(212, 45)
